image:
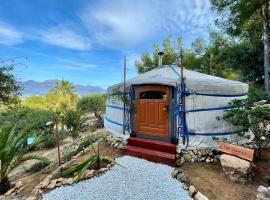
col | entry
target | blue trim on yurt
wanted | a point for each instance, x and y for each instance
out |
(117, 107)
(114, 122)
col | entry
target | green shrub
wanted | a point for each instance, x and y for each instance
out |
(95, 103)
(38, 166)
(254, 118)
(256, 93)
(74, 120)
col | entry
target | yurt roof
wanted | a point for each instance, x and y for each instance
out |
(195, 81)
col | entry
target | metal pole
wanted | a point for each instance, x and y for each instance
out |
(57, 142)
(124, 97)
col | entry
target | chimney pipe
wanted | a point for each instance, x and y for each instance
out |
(160, 55)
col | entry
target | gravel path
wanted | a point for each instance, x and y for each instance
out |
(141, 180)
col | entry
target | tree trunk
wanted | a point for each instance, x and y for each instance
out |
(266, 31)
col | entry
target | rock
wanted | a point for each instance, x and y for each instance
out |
(109, 166)
(181, 177)
(263, 193)
(187, 156)
(52, 184)
(237, 169)
(194, 158)
(185, 186)
(37, 192)
(208, 160)
(10, 191)
(200, 196)
(44, 184)
(89, 174)
(68, 181)
(178, 150)
(121, 146)
(18, 184)
(192, 191)
(31, 198)
(195, 151)
(175, 172)
(102, 170)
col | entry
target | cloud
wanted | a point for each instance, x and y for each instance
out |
(65, 37)
(121, 23)
(9, 35)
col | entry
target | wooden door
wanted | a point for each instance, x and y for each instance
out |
(152, 110)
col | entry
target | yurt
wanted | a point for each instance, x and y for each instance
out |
(161, 107)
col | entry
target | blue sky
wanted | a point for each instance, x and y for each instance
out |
(85, 41)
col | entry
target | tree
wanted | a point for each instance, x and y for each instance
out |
(237, 16)
(248, 116)
(9, 88)
(62, 97)
(12, 152)
(94, 103)
(74, 121)
(171, 52)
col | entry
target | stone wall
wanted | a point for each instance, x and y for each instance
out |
(195, 155)
(116, 142)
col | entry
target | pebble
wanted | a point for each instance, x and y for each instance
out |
(148, 181)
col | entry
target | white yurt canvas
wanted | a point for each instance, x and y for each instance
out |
(206, 99)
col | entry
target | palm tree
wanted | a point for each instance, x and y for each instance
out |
(13, 153)
(74, 120)
(67, 95)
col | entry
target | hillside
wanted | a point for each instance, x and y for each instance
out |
(32, 87)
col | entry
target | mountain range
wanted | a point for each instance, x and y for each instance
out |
(31, 87)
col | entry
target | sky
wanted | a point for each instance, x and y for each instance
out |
(85, 41)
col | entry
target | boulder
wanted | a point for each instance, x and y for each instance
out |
(200, 196)
(181, 177)
(237, 169)
(43, 184)
(175, 172)
(192, 191)
(52, 184)
(10, 191)
(31, 198)
(68, 181)
(18, 184)
(89, 174)
(263, 193)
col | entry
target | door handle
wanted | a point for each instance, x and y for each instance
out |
(166, 108)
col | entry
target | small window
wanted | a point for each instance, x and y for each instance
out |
(152, 95)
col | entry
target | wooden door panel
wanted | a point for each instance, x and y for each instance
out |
(151, 117)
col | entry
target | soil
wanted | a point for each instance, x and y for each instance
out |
(31, 180)
(213, 183)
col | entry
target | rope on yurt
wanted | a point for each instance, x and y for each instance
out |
(216, 134)
(217, 95)
(182, 129)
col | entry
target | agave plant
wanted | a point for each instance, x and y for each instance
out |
(13, 153)
(95, 160)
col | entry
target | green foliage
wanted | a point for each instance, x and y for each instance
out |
(74, 120)
(94, 103)
(60, 99)
(13, 153)
(149, 61)
(93, 161)
(69, 152)
(37, 167)
(39, 121)
(249, 117)
(256, 93)
(8, 85)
